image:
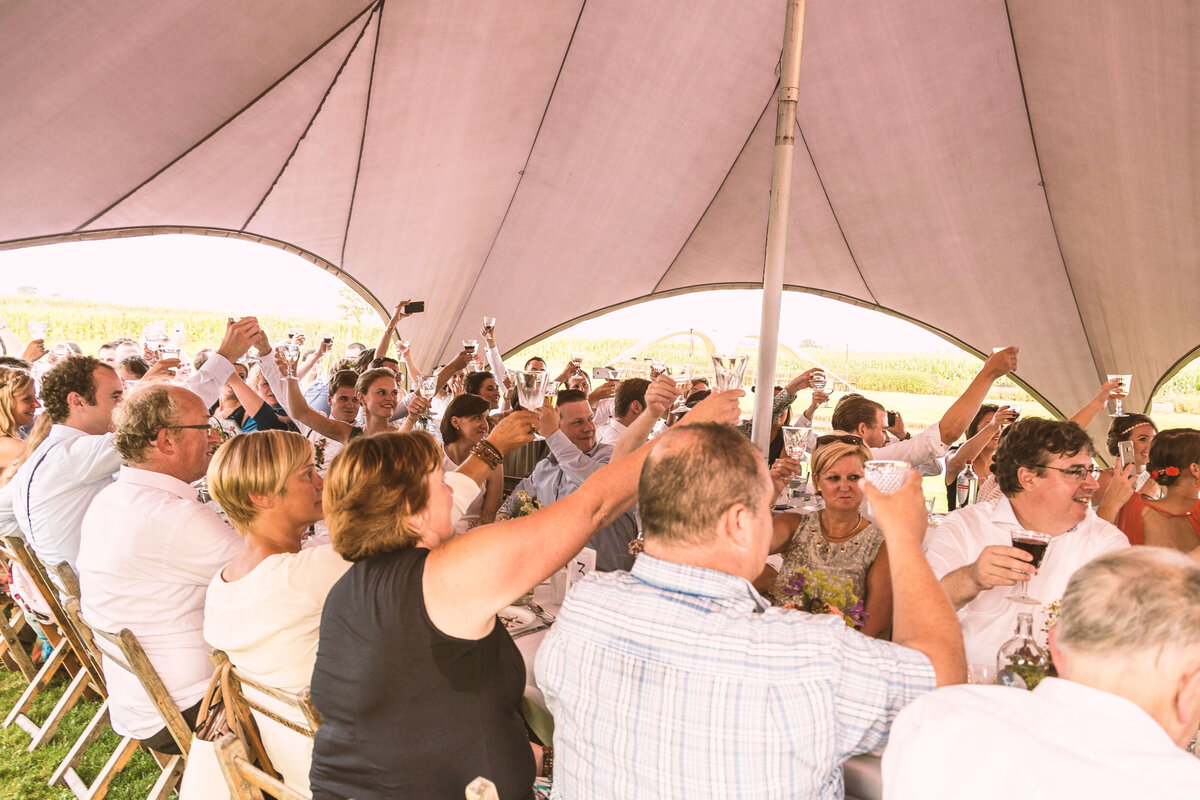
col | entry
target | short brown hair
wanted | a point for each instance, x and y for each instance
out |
(372, 488)
(1030, 442)
(260, 462)
(139, 419)
(465, 405)
(72, 374)
(341, 379)
(1177, 447)
(693, 477)
(855, 410)
(629, 391)
(370, 376)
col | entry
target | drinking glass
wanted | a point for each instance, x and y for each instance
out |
(38, 328)
(886, 476)
(489, 325)
(470, 345)
(682, 373)
(728, 371)
(168, 352)
(982, 674)
(290, 351)
(427, 388)
(657, 368)
(795, 442)
(1120, 392)
(818, 382)
(1035, 544)
(531, 388)
(327, 337)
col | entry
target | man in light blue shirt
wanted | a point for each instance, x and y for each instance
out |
(678, 679)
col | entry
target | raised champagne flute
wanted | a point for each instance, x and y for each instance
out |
(818, 382)
(1035, 544)
(1120, 393)
(682, 373)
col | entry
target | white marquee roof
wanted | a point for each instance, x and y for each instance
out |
(1006, 173)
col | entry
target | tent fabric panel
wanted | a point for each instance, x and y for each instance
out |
(103, 95)
(652, 107)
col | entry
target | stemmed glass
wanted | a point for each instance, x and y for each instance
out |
(38, 328)
(1119, 394)
(795, 441)
(427, 388)
(728, 372)
(1035, 544)
(489, 326)
(818, 382)
(682, 373)
(290, 351)
(470, 346)
(531, 388)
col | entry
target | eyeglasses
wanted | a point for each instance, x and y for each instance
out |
(844, 438)
(1078, 473)
(189, 427)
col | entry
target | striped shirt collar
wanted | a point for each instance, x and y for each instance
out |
(689, 579)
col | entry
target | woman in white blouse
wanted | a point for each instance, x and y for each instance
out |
(464, 424)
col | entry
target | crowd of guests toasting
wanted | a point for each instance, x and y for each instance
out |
(357, 541)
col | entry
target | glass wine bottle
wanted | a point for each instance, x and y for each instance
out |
(967, 486)
(1021, 662)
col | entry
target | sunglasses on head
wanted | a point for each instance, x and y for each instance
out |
(844, 438)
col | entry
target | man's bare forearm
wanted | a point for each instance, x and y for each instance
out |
(923, 617)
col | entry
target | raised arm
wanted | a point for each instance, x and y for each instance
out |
(922, 616)
(471, 577)
(310, 362)
(493, 354)
(299, 410)
(385, 340)
(956, 419)
(1086, 415)
(956, 462)
(660, 394)
(456, 363)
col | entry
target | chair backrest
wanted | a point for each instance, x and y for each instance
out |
(19, 550)
(123, 650)
(246, 781)
(69, 596)
(520, 462)
(300, 703)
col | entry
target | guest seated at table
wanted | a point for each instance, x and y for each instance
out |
(147, 553)
(464, 424)
(574, 455)
(1113, 725)
(485, 386)
(1123, 505)
(1174, 519)
(377, 392)
(422, 605)
(837, 540)
(679, 680)
(1044, 468)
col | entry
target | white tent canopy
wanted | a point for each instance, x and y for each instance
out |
(1005, 173)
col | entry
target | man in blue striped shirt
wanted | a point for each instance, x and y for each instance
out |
(678, 679)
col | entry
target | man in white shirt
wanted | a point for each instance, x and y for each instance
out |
(46, 500)
(148, 551)
(1044, 467)
(629, 403)
(866, 418)
(1113, 726)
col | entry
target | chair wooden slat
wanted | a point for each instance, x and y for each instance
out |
(246, 781)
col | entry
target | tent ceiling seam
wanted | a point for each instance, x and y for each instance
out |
(312, 120)
(1046, 194)
(836, 219)
(453, 322)
(724, 180)
(362, 143)
(231, 118)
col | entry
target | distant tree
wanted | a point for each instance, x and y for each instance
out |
(27, 291)
(810, 343)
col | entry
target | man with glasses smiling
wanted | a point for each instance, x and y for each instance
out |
(1045, 470)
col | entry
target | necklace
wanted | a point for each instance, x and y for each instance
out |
(853, 530)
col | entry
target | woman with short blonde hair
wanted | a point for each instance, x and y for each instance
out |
(838, 540)
(18, 402)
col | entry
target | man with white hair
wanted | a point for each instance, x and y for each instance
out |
(1113, 725)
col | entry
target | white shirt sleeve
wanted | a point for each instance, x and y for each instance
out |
(201, 545)
(208, 380)
(496, 363)
(573, 461)
(93, 458)
(923, 447)
(8, 518)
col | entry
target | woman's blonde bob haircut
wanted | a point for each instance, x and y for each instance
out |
(373, 488)
(14, 384)
(825, 456)
(255, 463)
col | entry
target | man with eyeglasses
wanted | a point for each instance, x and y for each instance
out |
(1045, 470)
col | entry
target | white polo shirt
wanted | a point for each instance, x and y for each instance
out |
(988, 621)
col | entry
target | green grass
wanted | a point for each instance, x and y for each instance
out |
(23, 775)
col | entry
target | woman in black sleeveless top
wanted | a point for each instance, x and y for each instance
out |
(418, 684)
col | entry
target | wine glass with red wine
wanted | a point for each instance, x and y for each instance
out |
(1035, 544)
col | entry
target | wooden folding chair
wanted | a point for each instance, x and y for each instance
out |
(246, 781)
(12, 650)
(66, 773)
(122, 649)
(86, 676)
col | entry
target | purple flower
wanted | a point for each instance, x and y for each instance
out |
(795, 585)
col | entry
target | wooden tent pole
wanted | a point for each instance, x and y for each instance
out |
(781, 190)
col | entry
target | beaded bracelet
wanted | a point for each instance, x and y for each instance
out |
(486, 452)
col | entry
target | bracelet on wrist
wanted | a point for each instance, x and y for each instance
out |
(486, 452)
